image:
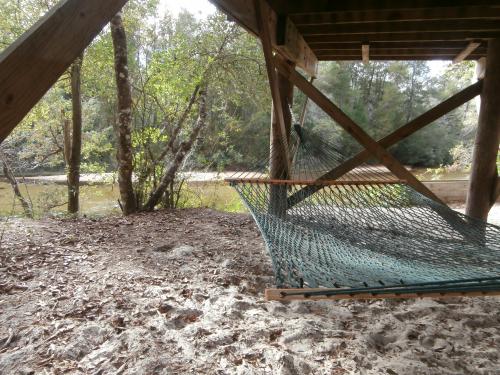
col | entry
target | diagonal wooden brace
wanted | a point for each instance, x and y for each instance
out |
(403, 132)
(34, 62)
(354, 129)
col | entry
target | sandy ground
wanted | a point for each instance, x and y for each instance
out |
(180, 292)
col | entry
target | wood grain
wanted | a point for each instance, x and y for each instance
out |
(32, 64)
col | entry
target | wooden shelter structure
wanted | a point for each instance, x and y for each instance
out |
(298, 34)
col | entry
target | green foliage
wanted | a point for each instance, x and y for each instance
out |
(169, 56)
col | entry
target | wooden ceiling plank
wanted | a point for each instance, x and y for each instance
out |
(314, 40)
(438, 13)
(33, 63)
(322, 6)
(398, 58)
(401, 52)
(449, 45)
(402, 27)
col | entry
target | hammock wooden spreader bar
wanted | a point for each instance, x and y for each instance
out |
(314, 182)
(281, 295)
(439, 289)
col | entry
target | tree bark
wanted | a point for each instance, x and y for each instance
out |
(180, 155)
(27, 208)
(74, 154)
(484, 175)
(124, 126)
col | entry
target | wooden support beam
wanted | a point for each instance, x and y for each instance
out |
(403, 132)
(484, 173)
(261, 11)
(396, 27)
(365, 53)
(406, 36)
(452, 45)
(402, 14)
(290, 44)
(354, 129)
(394, 53)
(276, 295)
(326, 6)
(471, 47)
(33, 63)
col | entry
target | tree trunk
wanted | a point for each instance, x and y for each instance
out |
(483, 183)
(28, 210)
(124, 126)
(74, 154)
(180, 155)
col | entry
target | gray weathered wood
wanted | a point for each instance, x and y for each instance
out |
(32, 64)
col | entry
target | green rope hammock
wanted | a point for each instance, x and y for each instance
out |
(365, 231)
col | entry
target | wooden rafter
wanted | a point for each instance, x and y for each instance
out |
(326, 6)
(400, 27)
(455, 12)
(471, 47)
(393, 45)
(403, 132)
(413, 36)
(378, 151)
(32, 64)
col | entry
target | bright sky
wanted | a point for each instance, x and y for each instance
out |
(200, 8)
(437, 66)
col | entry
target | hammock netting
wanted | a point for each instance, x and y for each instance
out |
(366, 230)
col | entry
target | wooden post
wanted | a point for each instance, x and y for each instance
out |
(281, 92)
(484, 173)
(278, 162)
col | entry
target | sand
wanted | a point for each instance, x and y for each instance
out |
(181, 292)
